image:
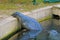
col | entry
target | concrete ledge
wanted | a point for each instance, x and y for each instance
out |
(8, 27)
(56, 10)
(40, 13)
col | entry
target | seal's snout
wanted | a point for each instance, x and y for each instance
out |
(15, 14)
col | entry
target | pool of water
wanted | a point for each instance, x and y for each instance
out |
(54, 25)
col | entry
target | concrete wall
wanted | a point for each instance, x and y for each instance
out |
(37, 14)
(56, 22)
(8, 26)
(56, 9)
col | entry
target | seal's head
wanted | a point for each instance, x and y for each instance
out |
(15, 14)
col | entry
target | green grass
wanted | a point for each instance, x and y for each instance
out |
(8, 6)
(24, 5)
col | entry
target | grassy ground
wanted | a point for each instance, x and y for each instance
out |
(23, 6)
